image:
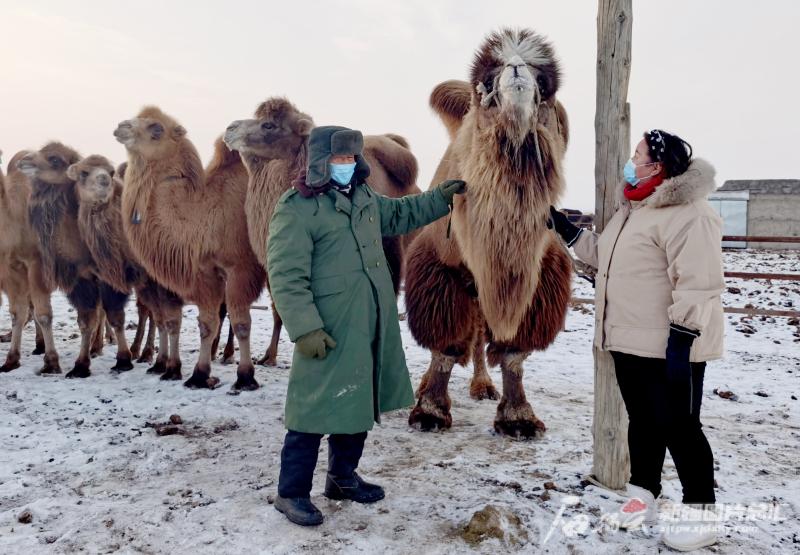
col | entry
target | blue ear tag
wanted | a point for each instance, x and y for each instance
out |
(137, 218)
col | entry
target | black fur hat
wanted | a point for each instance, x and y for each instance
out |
(332, 140)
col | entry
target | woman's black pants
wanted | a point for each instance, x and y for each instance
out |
(299, 459)
(659, 420)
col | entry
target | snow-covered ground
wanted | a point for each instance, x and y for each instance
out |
(78, 455)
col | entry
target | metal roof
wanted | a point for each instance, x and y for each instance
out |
(763, 186)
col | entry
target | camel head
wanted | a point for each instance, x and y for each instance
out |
(513, 74)
(48, 165)
(152, 135)
(279, 131)
(94, 176)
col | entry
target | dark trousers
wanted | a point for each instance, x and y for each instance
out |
(299, 459)
(660, 420)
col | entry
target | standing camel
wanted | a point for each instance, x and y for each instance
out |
(273, 148)
(100, 225)
(190, 235)
(502, 273)
(22, 271)
(67, 261)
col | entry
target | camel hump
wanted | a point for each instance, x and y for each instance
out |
(451, 100)
(223, 157)
(392, 152)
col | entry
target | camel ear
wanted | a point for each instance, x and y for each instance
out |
(72, 172)
(178, 131)
(304, 127)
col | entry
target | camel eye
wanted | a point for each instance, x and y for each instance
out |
(53, 161)
(84, 174)
(268, 126)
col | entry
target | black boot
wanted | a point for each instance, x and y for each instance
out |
(299, 510)
(353, 488)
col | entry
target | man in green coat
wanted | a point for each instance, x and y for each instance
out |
(333, 289)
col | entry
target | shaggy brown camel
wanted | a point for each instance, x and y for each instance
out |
(67, 261)
(22, 272)
(273, 147)
(190, 234)
(100, 225)
(502, 273)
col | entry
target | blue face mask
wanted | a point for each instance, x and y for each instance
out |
(629, 171)
(342, 173)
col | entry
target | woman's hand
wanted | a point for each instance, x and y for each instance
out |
(315, 344)
(679, 369)
(561, 224)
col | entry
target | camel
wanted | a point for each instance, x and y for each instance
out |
(502, 274)
(187, 228)
(100, 226)
(67, 261)
(22, 272)
(273, 148)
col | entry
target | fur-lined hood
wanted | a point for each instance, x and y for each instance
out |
(697, 182)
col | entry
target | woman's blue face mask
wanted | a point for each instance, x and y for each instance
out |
(342, 173)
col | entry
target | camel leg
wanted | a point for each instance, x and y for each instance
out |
(270, 358)
(39, 348)
(43, 315)
(142, 314)
(84, 297)
(98, 339)
(207, 323)
(111, 334)
(241, 322)
(230, 348)
(147, 352)
(481, 386)
(515, 416)
(433, 407)
(172, 324)
(160, 365)
(114, 306)
(223, 311)
(16, 285)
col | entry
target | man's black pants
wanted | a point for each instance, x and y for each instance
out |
(299, 459)
(660, 420)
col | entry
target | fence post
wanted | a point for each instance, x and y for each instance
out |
(612, 146)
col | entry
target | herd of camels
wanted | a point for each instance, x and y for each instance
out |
(488, 284)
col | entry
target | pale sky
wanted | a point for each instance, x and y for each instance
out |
(722, 74)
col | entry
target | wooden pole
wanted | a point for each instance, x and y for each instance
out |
(612, 147)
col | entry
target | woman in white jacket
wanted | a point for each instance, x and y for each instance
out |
(658, 311)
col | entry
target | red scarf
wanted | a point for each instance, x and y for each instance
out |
(642, 191)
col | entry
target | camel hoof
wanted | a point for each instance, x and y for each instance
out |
(79, 371)
(39, 349)
(147, 356)
(199, 380)
(245, 383)
(429, 420)
(9, 366)
(5, 338)
(95, 354)
(227, 360)
(269, 359)
(122, 365)
(158, 368)
(170, 374)
(482, 391)
(522, 429)
(49, 369)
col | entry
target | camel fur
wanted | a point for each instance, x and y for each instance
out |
(187, 228)
(502, 274)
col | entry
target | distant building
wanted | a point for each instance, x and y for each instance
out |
(759, 208)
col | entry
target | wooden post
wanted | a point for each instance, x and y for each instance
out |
(612, 148)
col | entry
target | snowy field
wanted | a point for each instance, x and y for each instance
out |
(80, 458)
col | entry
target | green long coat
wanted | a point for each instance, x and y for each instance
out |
(327, 270)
